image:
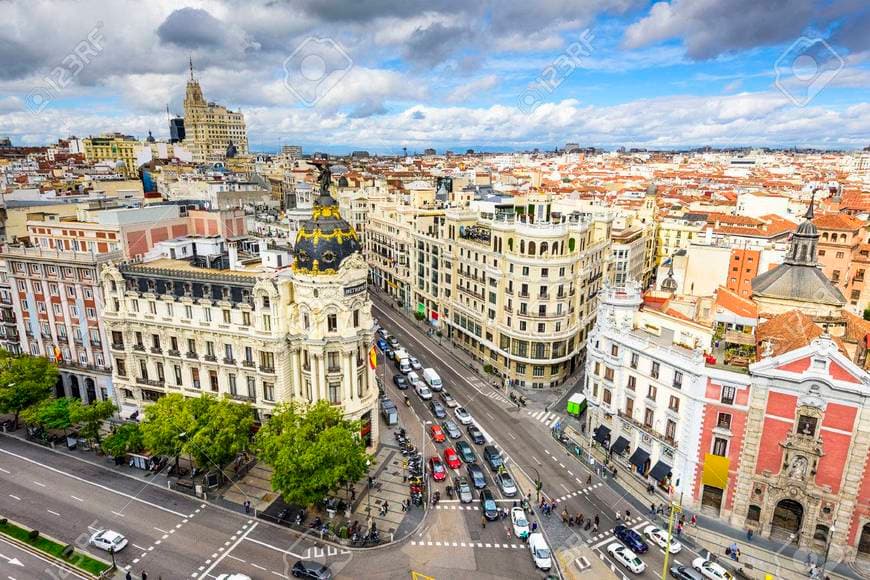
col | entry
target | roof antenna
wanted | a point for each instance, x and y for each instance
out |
(191, 66)
(809, 215)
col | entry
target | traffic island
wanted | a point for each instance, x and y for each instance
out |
(64, 555)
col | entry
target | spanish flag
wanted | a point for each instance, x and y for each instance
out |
(58, 356)
(373, 357)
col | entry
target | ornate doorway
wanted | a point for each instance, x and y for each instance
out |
(787, 518)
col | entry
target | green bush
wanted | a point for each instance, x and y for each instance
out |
(33, 534)
(68, 551)
(487, 368)
(3, 521)
(420, 316)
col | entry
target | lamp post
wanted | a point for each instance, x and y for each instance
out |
(112, 553)
(369, 493)
(827, 551)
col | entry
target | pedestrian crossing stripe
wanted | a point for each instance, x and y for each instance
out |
(547, 418)
(441, 544)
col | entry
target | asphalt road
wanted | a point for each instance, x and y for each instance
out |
(22, 565)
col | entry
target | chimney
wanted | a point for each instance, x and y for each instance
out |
(234, 256)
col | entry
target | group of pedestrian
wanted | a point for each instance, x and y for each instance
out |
(406, 505)
(547, 507)
(385, 508)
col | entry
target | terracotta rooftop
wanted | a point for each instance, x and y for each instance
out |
(789, 331)
(735, 303)
(838, 221)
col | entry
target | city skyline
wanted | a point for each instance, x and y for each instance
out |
(445, 75)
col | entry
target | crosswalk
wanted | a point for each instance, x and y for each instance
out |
(601, 538)
(584, 491)
(318, 552)
(445, 544)
(497, 397)
(547, 418)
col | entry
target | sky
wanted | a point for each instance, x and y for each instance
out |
(338, 75)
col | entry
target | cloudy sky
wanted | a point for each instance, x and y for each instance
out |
(509, 74)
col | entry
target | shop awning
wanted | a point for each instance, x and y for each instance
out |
(660, 471)
(602, 435)
(639, 458)
(620, 446)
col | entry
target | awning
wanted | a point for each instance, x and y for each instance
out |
(639, 458)
(620, 446)
(660, 471)
(602, 435)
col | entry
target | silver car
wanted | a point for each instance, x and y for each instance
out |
(506, 484)
(415, 364)
(463, 489)
(462, 415)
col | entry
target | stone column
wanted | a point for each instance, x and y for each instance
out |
(749, 458)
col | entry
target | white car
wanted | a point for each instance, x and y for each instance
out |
(423, 392)
(414, 379)
(108, 540)
(711, 570)
(462, 415)
(233, 577)
(415, 364)
(626, 557)
(540, 551)
(659, 537)
(520, 523)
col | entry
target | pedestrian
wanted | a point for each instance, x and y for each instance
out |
(352, 494)
(749, 535)
(694, 520)
(404, 507)
(596, 521)
(679, 529)
(589, 479)
(247, 505)
(652, 508)
(386, 506)
(483, 521)
(534, 526)
(618, 516)
(144, 575)
(627, 515)
(128, 576)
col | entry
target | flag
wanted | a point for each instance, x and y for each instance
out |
(373, 357)
(58, 356)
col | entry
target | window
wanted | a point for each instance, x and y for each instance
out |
(268, 391)
(143, 370)
(728, 395)
(227, 316)
(597, 368)
(152, 307)
(252, 387)
(840, 255)
(267, 322)
(209, 348)
(635, 359)
(177, 370)
(537, 371)
(648, 416)
(169, 309)
(835, 276)
(228, 352)
(332, 363)
(724, 421)
(213, 380)
(206, 312)
(678, 380)
(674, 403)
(614, 350)
(191, 346)
(249, 354)
(821, 252)
(266, 302)
(71, 292)
(188, 311)
(607, 396)
(331, 323)
(654, 371)
(652, 392)
(632, 383)
(246, 318)
(720, 447)
(194, 374)
(608, 374)
(121, 367)
(807, 425)
(335, 393)
(267, 360)
(356, 318)
(629, 406)
(671, 430)
(232, 381)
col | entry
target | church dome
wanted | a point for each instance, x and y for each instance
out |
(325, 240)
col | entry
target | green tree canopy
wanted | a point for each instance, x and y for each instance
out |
(91, 417)
(50, 414)
(24, 381)
(313, 451)
(126, 439)
(166, 420)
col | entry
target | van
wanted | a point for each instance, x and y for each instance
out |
(413, 379)
(389, 412)
(399, 354)
(540, 551)
(432, 379)
(405, 365)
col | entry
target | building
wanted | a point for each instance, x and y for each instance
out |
(198, 315)
(210, 130)
(176, 130)
(628, 250)
(841, 237)
(116, 148)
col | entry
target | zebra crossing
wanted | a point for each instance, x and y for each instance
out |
(602, 538)
(584, 491)
(446, 544)
(497, 397)
(547, 418)
(318, 552)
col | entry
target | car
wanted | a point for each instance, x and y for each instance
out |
(476, 435)
(382, 345)
(311, 569)
(448, 400)
(404, 366)
(492, 457)
(711, 570)
(488, 506)
(415, 364)
(630, 538)
(393, 341)
(519, 522)
(451, 428)
(540, 551)
(463, 489)
(451, 458)
(626, 557)
(506, 484)
(423, 392)
(401, 382)
(466, 452)
(685, 573)
(659, 537)
(438, 410)
(414, 379)
(233, 577)
(462, 415)
(108, 540)
(437, 434)
(476, 475)
(437, 469)
(382, 333)
(388, 353)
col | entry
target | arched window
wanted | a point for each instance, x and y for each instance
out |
(825, 237)
(571, 244)
(544, 248)
(531, 248)
(522, 246)
(511, 244)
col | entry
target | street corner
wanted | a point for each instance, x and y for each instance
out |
(308, 548)
(582, 562)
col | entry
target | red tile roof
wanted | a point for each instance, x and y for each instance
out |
(735, 303)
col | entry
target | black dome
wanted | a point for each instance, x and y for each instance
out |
(325, 240)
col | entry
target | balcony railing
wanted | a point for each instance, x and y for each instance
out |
(117, 346)
(173, 352)
(648, 429)
(156, 350)
(249, 364)
(229, 361)
(210, 358)
(139, 347)
(267, 369)
(192, 355)
(241, 397)
(149, 382)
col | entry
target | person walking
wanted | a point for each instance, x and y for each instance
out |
(596, 521)
(144, 575)
(749, 535)
(652, 509)
(618, 516)
(247, 505)
(483, 521)
(694, 520)
(128, 576)
(627, 515)
(589, 479)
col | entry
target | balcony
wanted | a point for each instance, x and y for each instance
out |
(117, 346)
(139, 347)
(649, 430)
(249, 364)
(192, 355)
(173, 352)
(149, 382)
(333, 369)
(156, 350)
(478, 295)
(210, 358)
(241, 397)
(267, 370)
(229, 361)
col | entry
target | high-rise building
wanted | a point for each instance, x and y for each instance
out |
(113, 147)
(210, 129)
(176, 130)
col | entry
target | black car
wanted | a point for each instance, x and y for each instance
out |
(492, 457)
(388, 353)
(311, 569)
(488, 505)
(400, 381)
(466, 452)
(476, 435)
(438, 410)
(685, 573)
(476, 475)
(631, 539)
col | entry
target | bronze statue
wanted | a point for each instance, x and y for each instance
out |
(325, 177)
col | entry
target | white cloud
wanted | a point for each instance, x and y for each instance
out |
(472, 89)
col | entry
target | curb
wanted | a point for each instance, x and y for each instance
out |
(54, 559)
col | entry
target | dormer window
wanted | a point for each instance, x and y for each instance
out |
(806, 425)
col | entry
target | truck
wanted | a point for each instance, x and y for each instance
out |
(389, 411)
(576, 404)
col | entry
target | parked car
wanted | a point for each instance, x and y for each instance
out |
(462, 415)
(438, 410)
(711, 570)
(685, 573)
(108, 540)
(432, 379)
(389, 353)
(414, 379)
(437, 469)
(400, 381)
(437, 434)
(382, 333)
(476, 435)
(519, 522)
(452, 429)
(232, 577)
(492, 457)
(463, 489)
(448, 400)
(476, 475)
(466, 452)
(382, 345)
(423, 392)
(540, 551)
(311, 569)
(393, 341)
(626, 557)
(405, 366)
(506, 484)
(659, 537)
(415, 364)
(630, 538)
(451, 458)
(488, 505)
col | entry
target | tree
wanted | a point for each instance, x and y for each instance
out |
(313, 451)
(867, 314)
(166, 425)
(50, 414)
(126, 439)
(224, 430)
(24, 382)
(90, 418)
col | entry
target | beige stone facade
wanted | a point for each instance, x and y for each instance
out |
(210, 128)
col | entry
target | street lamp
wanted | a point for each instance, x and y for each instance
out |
(112, 553)
(827, 551)
(369, 494)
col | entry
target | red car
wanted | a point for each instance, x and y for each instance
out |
(437, 469)
(451, 458)
(437, 434)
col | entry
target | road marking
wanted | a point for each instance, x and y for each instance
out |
(562, 465)
(569, 473)
(83, 480)
(538, 461)
(4, 470)
(51, 512)
(547, 451)
(279, 574)
(234, 558)
(565, 487)
(225, 554)
(76, 498)
(39, 484)
(15, 497)
(488, 414)
(138, 547)
(63, 571)
(265, 545)
(118, 514)
(512, 436)
(161, 531)
(257, 566)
